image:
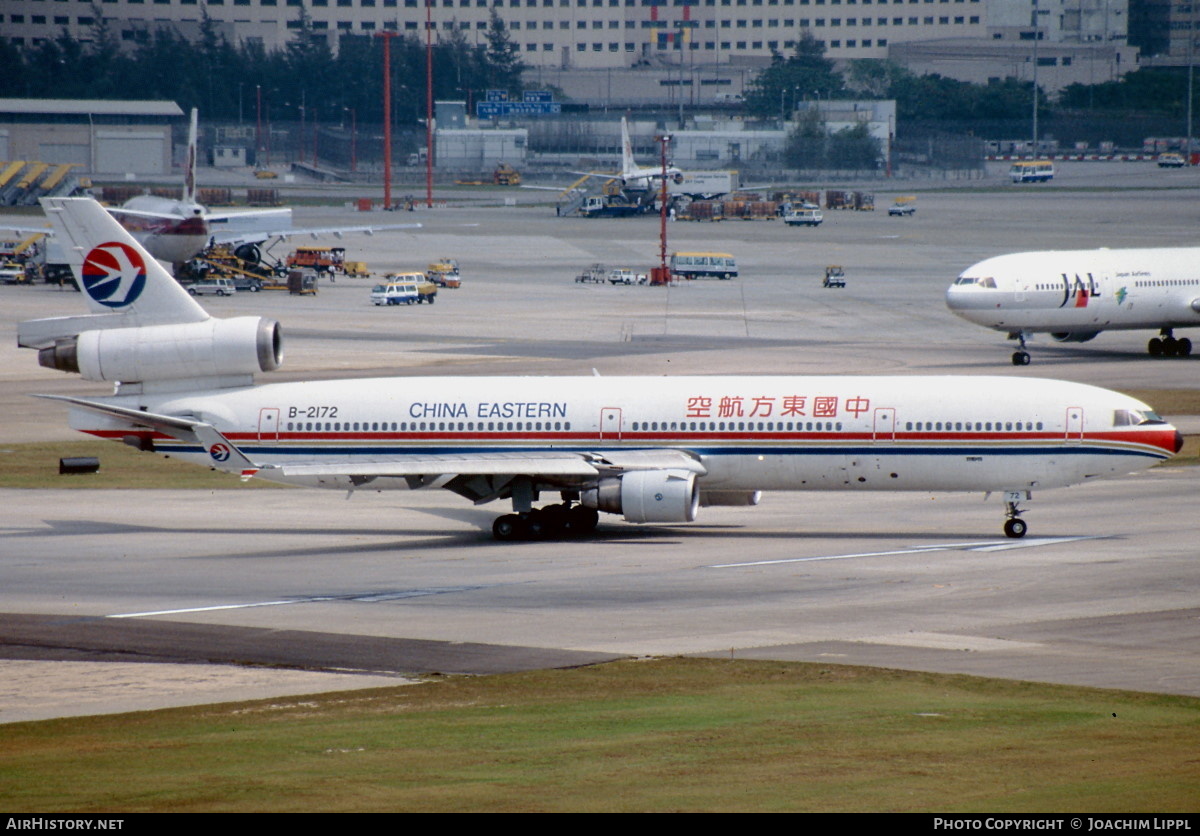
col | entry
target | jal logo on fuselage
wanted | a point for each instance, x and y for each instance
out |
(1079, 290)
(114, 274)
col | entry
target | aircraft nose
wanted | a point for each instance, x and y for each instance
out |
(1178, 441)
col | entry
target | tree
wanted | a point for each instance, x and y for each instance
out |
(502, 58)
(807, 72)
(854, 147)
(806, 145)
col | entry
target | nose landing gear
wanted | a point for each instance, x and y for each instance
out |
(1014, 526)
(1020, 356)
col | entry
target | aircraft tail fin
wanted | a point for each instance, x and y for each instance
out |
(114, 271)
(628, 166)
(145, 330)
(189, 176)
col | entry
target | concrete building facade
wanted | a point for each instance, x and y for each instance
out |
(724, 39)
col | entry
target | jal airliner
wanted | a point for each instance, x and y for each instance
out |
(653, 450)
(1074, 295)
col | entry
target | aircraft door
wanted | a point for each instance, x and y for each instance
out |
(610, 423)
(268, 424)
(1074, 434)
(885, 425)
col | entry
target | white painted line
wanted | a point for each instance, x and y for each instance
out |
(984, 546)
(359, 597)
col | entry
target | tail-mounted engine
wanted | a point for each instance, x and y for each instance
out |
(213, 348)
(647, 496)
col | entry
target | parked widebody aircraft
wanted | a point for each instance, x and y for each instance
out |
(653, 450)
(1074, 295)
(175, 230)
(633, 176)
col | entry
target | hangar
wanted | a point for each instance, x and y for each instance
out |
(97, 136)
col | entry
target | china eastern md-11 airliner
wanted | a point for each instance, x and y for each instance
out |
(653, 450)
(1074, 295)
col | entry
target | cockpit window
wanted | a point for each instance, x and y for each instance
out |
(1136, 417)
(989, 282)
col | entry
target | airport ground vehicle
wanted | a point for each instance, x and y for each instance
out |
(357, 269)
(1171, 160)
(404, 289)
(623, 275)
(444, 273)
(612, 206)
(804, 217)
(12, 272)
(703, 265)
(596, 274)
(835, 276)
(212, 287)
(322, 259)
(1031, 171)
(506, 175)
(903, 206)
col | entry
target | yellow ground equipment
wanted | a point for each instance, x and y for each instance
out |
(506, 175)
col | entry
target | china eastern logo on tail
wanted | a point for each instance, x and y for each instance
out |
(114, 274)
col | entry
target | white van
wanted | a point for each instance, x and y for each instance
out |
(395, 293)
(213, 287)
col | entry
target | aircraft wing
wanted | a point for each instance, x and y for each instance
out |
(119, 212)
(26, 230)
(237, 237)
(553, 463)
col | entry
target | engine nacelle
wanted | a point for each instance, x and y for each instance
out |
(212, 348)
(647, 496)
(1074, 336)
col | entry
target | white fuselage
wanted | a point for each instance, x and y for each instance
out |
(747, 433)
(1082, 291)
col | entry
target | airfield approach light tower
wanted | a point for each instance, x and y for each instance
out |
(387, 116)
(429, 103)
(662, 275)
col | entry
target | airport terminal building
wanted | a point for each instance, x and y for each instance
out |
(711, 46)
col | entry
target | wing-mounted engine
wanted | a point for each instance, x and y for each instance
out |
(647, 496)
(212, 349)
(1074, 336)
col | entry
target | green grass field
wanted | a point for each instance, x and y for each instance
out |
(664, 734)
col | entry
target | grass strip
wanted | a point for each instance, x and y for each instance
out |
(651, 735)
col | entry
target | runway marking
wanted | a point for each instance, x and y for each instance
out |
(985, 546)
(361, 597)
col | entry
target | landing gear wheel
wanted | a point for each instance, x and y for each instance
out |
(507, 528)
(1015, 528)
(582, 520)
(1020, 358)
(1155, 347)
(1183, 347)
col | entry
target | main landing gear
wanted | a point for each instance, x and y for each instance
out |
(1165, 345)
(550, 522)
(1014, 526)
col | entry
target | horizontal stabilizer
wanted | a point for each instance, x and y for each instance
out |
(224, 455)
